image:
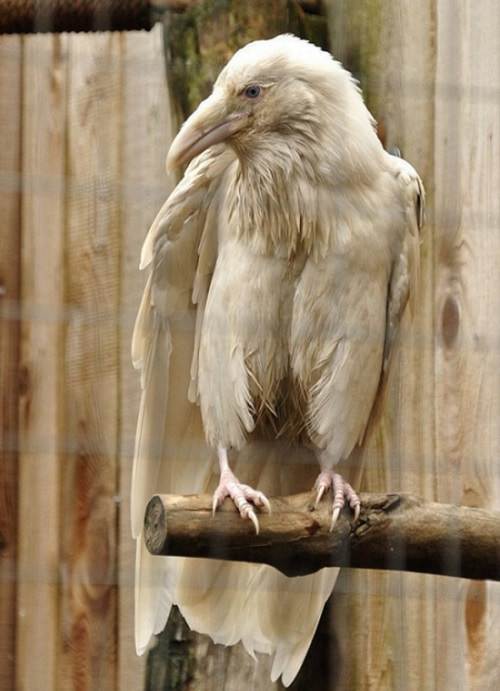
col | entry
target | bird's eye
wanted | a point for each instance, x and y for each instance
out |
(252, 91)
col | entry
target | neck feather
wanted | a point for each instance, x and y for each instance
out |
(275, 205)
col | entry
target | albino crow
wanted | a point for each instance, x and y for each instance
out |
(279, 270)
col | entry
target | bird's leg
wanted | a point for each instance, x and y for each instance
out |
(341, 491)
(243, 496)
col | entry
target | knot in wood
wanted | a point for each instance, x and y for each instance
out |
(155, 526)
(450, 321)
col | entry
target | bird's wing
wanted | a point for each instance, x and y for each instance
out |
(405, 268)
(349, 304)
(181, 250)
(170, 452)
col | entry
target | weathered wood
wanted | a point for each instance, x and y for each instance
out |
(437, 96)
(88, 484)
(394, 531)
(43, 157)
(145, 136)
(10, 237)
(467, 309)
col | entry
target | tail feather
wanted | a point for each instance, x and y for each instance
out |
(152, 601)
(257, 605)
(150, 435)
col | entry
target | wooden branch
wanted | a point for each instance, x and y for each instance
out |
(395, 531)
(35, 16)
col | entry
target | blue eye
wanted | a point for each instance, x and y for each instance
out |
(252, 91)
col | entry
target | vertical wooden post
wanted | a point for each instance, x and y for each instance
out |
(467, 309)
(88, 604)
(44, 90)
(431, 73)
(10, 239)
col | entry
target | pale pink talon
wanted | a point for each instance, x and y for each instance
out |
(321, 491)
(266, 502)
(251, 515)
(341, 490)
(243, 496)
(335, 515)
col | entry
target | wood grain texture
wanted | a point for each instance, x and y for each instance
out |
(88, 605)
(10, 177)
(467, 305)
(437, 97)
(43, 156)
(296, 536)
(146, 131)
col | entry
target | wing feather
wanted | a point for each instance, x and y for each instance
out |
(170, 451)
(349, 304)
(406, 266)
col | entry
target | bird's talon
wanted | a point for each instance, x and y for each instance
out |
(321, 491)
(335, 515)
(264, 501)
(243, 496)
(217, 500)
(250, 513)
(341, 490)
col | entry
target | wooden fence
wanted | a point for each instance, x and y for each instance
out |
(84, 126)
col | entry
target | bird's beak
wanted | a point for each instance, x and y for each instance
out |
(209, 124)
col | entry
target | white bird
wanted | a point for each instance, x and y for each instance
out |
(280, 267)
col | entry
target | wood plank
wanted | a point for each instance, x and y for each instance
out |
(147, 130)
(88, 606)
(10, 151)
(44, 88)
(467, 305)
(391, 47)
(450, 401)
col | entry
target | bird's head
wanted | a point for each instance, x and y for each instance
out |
(282, 88)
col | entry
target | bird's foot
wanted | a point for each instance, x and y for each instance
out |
(341, 491)
(243, 497)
